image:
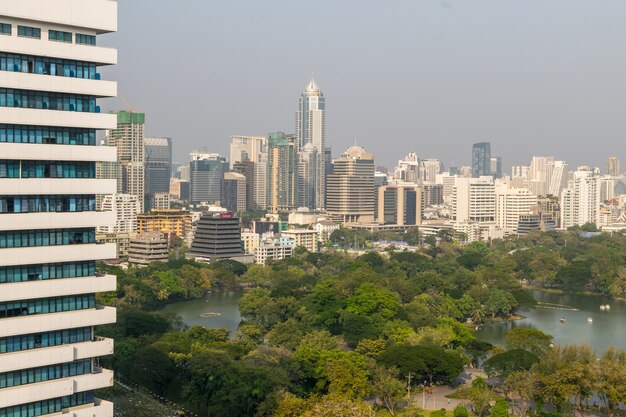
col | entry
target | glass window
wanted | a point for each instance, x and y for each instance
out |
(85, 39)
(29, 32)
(5, 29)
(58, 36)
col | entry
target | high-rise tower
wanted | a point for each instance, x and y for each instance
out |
(311, 128)
(48, 283)
(481, 159)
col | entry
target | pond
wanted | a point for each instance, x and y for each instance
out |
(217, 310)
(606, 328)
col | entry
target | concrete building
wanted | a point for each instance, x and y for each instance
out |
(430, 169)
(126, 207)
(246, 148)
(234, 192)
(207, 177)
(158, 168)
(481, 159)
(282, 170)
(581, 203)
(274, 249)
(535, 222)
(311, 128)
(511, 203)
(217, 236)
(324, 229)
(307, 176)
(496, 166)
(251, 241)
(128, 139)
(247, 169)
(399, 205)
(474, 200)
(407, 169)
(159, 201)
(432, 195)
(179, 189)
(612, 167)
(170, 222)
(306, 238)
(49, 119)
(147, 248)
(121, 240)
(351, 194)
(558, 180)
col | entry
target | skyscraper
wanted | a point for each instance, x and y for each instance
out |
(281, 172)
(48, 219)
(244, 148)
(351, 193)
(158, 168)
(581, 203)
(207, 176)
(613, 166)
(311, 128)
(481, 159)
(307, 175)
(128, 138)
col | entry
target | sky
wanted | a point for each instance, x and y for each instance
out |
(533, 77)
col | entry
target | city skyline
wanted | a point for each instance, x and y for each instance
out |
(442, 75)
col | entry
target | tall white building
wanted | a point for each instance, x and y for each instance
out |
(511, 203)
(559, 178)
(311, 128)
(407, 169)
(125, 207)
(474, 200)
(430, 168)
(48, 122)
(581, 203)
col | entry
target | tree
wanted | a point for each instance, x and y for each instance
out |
(333, 406)
(480, 396)
(521, 388)
(513, 360)
(500, 409)
(531, 340)
(424, 362)
(387, 387)
(497, 303)
(610, 380)
(460, 411)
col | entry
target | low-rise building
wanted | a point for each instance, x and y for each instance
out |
(171, 221)
(324, 229)
(250, 241)
(217, 236)
(308, 239)
(147, 248)
(275, 249)
(121, 239)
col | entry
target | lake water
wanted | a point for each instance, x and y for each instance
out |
(223, 303)
(608, 328)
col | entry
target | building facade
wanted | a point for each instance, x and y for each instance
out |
(481, 159)
(171, 222)
(158, 168)
(147, 248)
(282, 170)
(49, 118)
(207, 177)
(218, 236)
(234, 192)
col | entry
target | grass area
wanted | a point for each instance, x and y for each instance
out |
(411, 412)
(461, 393)
(135, 403)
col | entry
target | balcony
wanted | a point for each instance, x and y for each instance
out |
(42, 82)
(100, 378)
(57, 321)
(52, 254)
(50, 186)
(32, 221)
(55, 354)
(56, 288)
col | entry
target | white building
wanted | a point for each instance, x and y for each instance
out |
(407, 169)
(559, 178)
(275, 249)
(474, 200)
(308, 239)
(581, 203)
(511, 203)
(430, 168)
(126, 207)
(311, 128)
(250, 241)
(246, 148)
(48, 119)
(324, 229)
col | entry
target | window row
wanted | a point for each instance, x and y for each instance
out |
(44, 373)
(53, 35)
(47, 135)
(59, 36)
(43, 340)
(45, 100)
(55, 405)
(47, 305)
(47, 169)
(48, 237)
(29, 32)
(47, 203)
(5, 29)
(40, 272)
(48, 66)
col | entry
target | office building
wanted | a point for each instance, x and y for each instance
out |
(170, 222)
(474, 200)
(324, 229)
(307, 176)
(281, 172)
(558, 181)
(496, 166)
(49, 119)
(128, 139)
(247, 169)
(535, 222)
(179, 189)
(311, 128)
(613, 167)
(234, 192)
(274, 249)
(246, 148)
(430, 169)
(351, 193)
(407, 169)
(159, 201)
(147, 248)
(511, 203)
(261, 181)
(305, 238)
(481, 159)
(207, 177)
(581, 203)
(399, 205)
(218, 236)
(158, 168)
(126, 207)
(250, 241)
(432, 195)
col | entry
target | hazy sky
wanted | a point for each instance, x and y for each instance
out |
(532, 77)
